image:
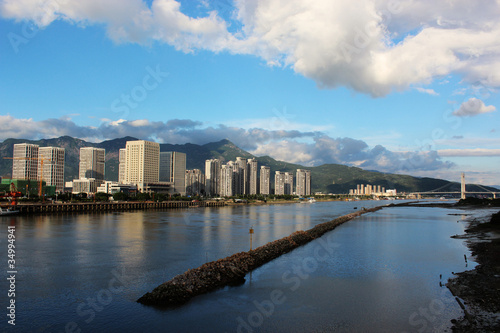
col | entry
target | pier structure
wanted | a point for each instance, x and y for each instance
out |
(110, 206)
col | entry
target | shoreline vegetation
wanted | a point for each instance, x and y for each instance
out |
(231, 270)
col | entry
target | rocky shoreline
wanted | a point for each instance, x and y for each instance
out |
(231, 271)
(478, 291)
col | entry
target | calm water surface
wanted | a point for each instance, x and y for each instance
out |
(377, 273)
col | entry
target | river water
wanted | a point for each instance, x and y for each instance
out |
(377, 273)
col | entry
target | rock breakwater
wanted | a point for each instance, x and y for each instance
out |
(231, 270)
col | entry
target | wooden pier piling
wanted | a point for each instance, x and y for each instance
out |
(86, 207)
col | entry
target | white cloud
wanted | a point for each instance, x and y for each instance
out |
(115, 122)
(351, 152)
(469, 141)
(31, 129)
(372, 46)
(279, 144)
(471, 177)
(477, 152)
(290, 151)
(427, 91)
(387, 138)
(127, 20)
(473, 107)
(139, 123)
(278, 123)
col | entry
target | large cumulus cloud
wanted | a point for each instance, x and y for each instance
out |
(473, 107)
(348, 151)
(371, 46)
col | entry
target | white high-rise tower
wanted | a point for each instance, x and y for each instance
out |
(52, 172)
(142, 163)
(213, 177)
(303, 178)
(25, 162)
(265, 180)
(252, 176)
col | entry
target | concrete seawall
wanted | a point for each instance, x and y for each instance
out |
(232, 270)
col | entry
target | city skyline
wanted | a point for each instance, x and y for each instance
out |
(396, 87)
(141, 164)
(118, 155)
(250, 165)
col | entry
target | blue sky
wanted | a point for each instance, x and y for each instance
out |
(411, 89)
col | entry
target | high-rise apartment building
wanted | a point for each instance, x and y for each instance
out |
(265, 180)
(303, 178)
(212, 177)
(238, 177)
(369, 189)
(279, 183)
(166, 167)
(173, 170)
(195, 182)
(179, 172)
(92, 164)
(288, 183)
(227, 179)
(283, 183)
(241, 174)
(25, 162)
(122, 158)
(252, 176)
(142, 163)
(52, 171)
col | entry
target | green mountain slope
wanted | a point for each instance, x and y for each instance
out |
(196, 155)
(327, 178)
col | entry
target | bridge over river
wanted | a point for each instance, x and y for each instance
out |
(463, 192)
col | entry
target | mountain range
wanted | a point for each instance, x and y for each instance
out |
(327, 178)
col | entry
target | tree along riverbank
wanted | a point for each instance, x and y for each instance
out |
(231, 270)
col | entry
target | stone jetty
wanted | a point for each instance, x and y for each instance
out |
(231, 271)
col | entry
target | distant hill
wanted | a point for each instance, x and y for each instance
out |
(328, 178)
(196, 154)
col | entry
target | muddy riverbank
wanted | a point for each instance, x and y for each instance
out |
(478, 290)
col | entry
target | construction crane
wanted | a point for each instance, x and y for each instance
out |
(12, 195)
(42, 160)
